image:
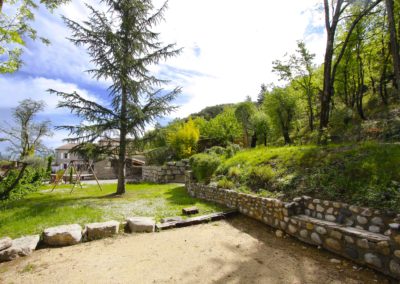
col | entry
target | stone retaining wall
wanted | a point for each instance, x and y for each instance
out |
(169, 173)
(323, 225)
(368, 219)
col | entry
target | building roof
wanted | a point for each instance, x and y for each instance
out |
(67, 146)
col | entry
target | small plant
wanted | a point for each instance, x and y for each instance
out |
(235, 173)
(204, 166)
(225, 183)
(261, 177)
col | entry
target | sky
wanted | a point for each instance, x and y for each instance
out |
(228, 49)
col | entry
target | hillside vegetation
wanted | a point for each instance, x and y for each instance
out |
(366, 174)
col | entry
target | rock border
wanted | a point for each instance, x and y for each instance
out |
(71, 234)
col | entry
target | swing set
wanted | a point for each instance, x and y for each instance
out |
(78, 173)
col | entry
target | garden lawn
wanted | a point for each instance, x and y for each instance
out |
(44, 208)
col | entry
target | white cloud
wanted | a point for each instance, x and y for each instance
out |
(36, 89)
(237, 42)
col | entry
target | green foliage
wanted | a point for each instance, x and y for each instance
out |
(223, 129)
(365, 174)
(15, 27)
(30, 182)
(204, 166)
(225, 183)
(261, 177)
(183, 139)
(243, 113)
(260, 122)
(48, 167)
(280, 106)
(211, 112)
(43, 209)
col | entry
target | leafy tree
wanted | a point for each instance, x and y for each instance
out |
(243, 112)
(280, 106)
(14, 26)
(335, 11)
(394, 43)
(26, 135)
(223, 129)
(183, 139)
(260, 96)
(299, 70)
(123, 46)
(25, 139)
(261, 127)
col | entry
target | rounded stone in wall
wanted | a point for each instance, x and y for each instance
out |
(320, 230)
(292, 229)
(394, 267)
(304, 234)
(363, 243)
(320, 208)
(352, 252)
(372, 259)
(377, 221)
(316, 238)
(362, 220)
(374, 229)
(349, 239)
(333, 244)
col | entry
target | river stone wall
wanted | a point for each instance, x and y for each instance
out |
(169, 173)
(326, 224)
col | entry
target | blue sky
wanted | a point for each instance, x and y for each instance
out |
(228, 51)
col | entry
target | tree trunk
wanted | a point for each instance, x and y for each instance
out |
(327, 85)
(1, 5)
(6, 193)
(122, 144)
(394, 44)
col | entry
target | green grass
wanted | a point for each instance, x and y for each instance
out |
(365, 174)
(44, 209)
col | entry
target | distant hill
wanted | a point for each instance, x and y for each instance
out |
(211, 111)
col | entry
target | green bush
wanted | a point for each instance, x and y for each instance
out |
(217, 150)
(225, 183)
(204, 166)
(261, 177)
(30, 182)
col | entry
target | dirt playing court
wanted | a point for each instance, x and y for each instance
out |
(239, 250)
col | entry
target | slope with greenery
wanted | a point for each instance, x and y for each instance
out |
(365, 174)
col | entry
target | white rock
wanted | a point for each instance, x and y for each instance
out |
(20, 247)
(141, 224)
(335, 261)
(63, 235)
(279, 234)
(5, 243)
(96, 231)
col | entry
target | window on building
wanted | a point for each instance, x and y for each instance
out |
(65, 155)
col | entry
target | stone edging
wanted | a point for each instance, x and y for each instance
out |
(66, 235)
(366, 236)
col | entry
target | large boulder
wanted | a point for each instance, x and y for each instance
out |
(141, 224)
(20, 247)
(96, 231)
(5, 243)
(64, 235)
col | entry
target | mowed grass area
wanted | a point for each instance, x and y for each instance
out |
(44, 209)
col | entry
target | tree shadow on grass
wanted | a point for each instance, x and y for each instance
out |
(179, 196)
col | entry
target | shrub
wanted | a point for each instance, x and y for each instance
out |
(261, 177)
(235, 173)
(217, 150)
(204, 166)
(225, 183)
(231, 150)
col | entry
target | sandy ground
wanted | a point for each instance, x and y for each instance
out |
(239, 250)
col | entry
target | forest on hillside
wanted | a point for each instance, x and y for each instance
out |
(352, 96)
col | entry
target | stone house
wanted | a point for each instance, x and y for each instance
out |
(63, 156)
(104, 169)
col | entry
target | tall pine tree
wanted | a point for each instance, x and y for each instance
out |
(122, 46)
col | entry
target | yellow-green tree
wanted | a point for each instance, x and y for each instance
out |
(183, 139)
